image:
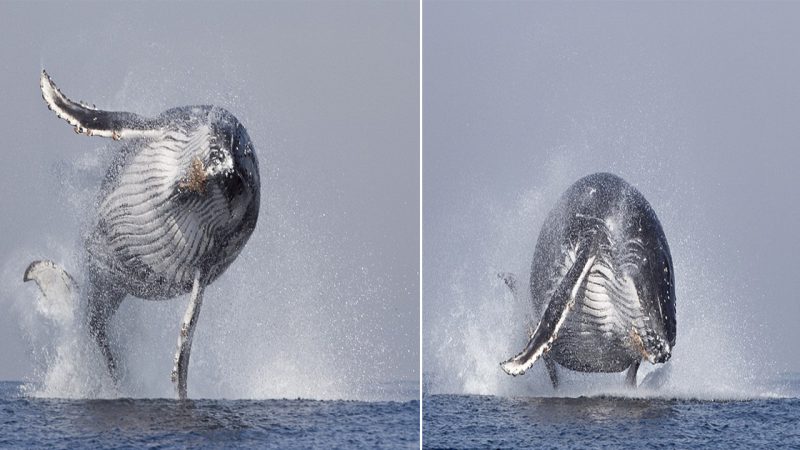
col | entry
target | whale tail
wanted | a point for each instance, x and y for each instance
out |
(57, 287)
(91, 121)
(554, 316)
(53, 281)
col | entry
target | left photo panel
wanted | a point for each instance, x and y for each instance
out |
(211, 224)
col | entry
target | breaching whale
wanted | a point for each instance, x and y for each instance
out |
(602, 283)
(177, 206)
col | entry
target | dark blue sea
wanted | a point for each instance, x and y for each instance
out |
(478, 421)
(162, 423)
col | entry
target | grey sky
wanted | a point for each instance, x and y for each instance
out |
(329, 93)
(696, 104)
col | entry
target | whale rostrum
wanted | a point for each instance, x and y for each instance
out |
(601, 281)
(177, 206)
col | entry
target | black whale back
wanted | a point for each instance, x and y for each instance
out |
(604, 204)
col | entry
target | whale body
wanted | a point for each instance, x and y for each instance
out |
(602, 282)
(177, 206)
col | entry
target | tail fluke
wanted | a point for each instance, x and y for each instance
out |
(57, 287)
(91, 121)
(52, 280)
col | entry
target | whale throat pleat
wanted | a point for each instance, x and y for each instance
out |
(149, 222)
(615, 297)
(608, 307)
(557, 313)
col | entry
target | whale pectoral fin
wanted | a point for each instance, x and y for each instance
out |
(180, 371)
(93, 122)
(54, 282)
(554, 316)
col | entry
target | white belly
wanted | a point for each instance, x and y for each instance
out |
(150, 235)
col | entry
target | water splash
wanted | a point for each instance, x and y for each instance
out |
(282, 322)
(473, 323)
(289, 318)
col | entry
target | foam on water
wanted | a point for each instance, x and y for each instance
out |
(473, 323)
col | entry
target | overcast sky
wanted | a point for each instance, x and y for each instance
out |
(696, 104)
(323, 302)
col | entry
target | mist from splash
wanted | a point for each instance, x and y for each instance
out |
(477, 323)
(288, 319)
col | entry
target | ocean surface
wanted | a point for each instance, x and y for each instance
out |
(27, 422)
(470, 421)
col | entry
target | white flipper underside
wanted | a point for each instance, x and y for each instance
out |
(542, 339)
(58, 290)
(90, 121)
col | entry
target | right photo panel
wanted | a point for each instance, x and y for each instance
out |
(610, 218)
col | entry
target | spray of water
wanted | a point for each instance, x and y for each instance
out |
(288, 319)
(476, 323)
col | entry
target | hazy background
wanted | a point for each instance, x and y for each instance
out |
(696, 104)
(323, 301)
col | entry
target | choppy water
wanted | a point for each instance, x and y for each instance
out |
(468, 421)
(137, 423)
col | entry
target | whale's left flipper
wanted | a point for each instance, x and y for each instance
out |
(180, 371)
(94, 122)
(556, 313)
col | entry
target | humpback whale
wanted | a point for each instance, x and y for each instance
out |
(176, 207)
(602, 283)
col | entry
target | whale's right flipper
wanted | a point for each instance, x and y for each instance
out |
(555, 315)
(94, 122)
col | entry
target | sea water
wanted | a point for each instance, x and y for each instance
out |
(33, 422)
(469, 421)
